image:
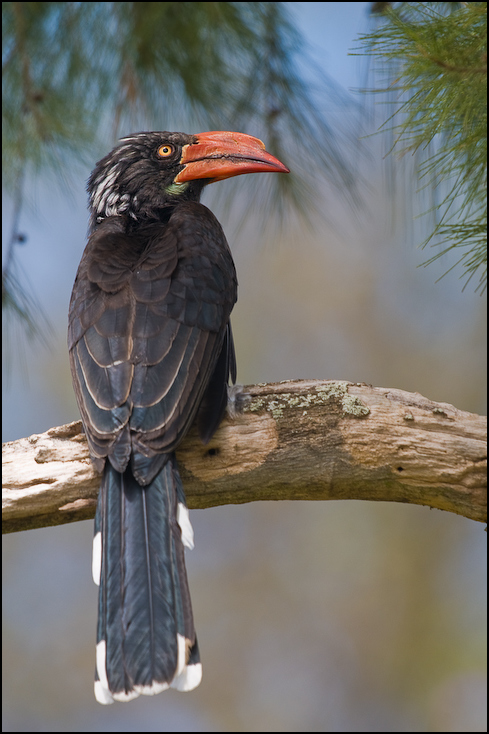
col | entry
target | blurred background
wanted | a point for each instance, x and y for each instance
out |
(340, 616)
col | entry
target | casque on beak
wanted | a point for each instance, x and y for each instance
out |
(218, 155)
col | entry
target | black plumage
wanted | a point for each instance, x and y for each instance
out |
(151, 349)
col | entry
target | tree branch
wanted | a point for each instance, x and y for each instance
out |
(305, 440)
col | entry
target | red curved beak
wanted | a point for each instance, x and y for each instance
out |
(218, 155)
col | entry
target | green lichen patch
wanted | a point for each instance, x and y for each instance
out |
(338, 391)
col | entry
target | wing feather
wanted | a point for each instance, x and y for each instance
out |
(148, 330)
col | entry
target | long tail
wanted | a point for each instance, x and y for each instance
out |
(145, 635)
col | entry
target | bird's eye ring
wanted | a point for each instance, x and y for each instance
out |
(165, 150)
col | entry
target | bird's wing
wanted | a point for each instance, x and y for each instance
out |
(148, 322)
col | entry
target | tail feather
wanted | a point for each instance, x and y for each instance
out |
(145, 635)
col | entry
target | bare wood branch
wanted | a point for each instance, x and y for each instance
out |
(307, 440)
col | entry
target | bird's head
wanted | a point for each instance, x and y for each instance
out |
(151, 170)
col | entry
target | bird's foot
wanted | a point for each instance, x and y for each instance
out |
(237, 399)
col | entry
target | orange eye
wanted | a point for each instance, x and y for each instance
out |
(165, 150)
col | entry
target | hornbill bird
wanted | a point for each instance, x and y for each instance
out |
(151, 350)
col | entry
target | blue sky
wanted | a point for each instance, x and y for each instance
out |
(330, 30)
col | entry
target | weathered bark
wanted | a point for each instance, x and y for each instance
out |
(306, 440)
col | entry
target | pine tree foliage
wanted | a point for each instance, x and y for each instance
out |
(435, 55)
